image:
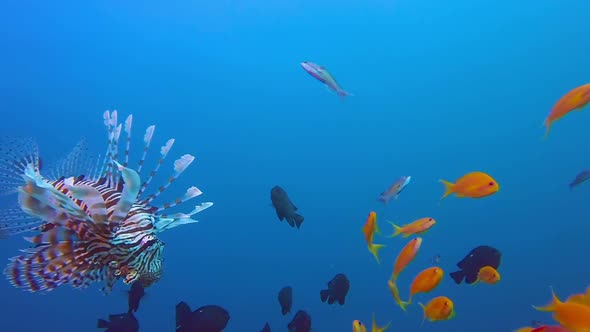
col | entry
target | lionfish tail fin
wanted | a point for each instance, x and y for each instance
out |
(16, 154)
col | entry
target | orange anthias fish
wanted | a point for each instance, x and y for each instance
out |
(419, 226)
(574, 100)
(473, 185)
(369, 229)
(575, 317)
(426, 281)
(488, 275)
(406, 256)
(439, 308)
(358, 326)
(395, 293)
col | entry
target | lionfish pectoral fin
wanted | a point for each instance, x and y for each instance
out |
(92, 197)
(40, 199)
(177, 219)
(128, 194)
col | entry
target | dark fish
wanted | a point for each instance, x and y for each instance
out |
(474, 261)
(581, 177)
(337, 289)
(209, 318)
(135, 294)
(284, 207)
(301, 322)
(286, 299)
(119, 323)
(266, 328)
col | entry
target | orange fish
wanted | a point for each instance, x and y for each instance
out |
(575, 317)
(426, 281)
(474, 185)
(439, 308)
(369, 229)
(395, 293)
(406, 256)
(358, 326)
(574, 100)
(419, 226)
(488, 275)
(582, 298)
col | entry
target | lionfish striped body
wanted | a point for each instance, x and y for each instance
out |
(97, 227)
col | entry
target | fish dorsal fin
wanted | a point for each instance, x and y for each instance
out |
(128, 194)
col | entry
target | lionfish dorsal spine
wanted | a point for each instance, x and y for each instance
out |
(190, 193)
(91, 197)
(163, 153)
(180, 165)
(147, 140)
(128, 194)
(165, 222)
(128, 123)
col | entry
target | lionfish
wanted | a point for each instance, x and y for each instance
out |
(89, 228)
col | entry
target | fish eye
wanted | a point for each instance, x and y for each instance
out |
(491, 183)
(429, 219)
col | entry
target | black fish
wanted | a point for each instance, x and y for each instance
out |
(119, 323)
(135, 294)
(337, 289)
(284, 207)
(266, 328)
(474, 261)
(300, 323)
(209, 318)
(581, 177)
(286, 299)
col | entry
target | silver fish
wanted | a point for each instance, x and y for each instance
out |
(581, 177)
(395, 189)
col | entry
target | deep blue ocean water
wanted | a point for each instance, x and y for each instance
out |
(441, 88)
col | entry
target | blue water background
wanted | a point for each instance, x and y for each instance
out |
(441, 88)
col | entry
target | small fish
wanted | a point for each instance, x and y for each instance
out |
(426, 281)
(571, 315)
(488, 275)
(473, 185)
(581, 177)
(370, 229)
(301, 322)
(358, 326)
(284, 207)
(135, 294)
(286, 299)
(406, 256)
(337, 289)
(395, 294)
(266, 328)
(321, 74)
(395, 189)
(417, 227)
(209, 318)
(575, 100)
(439, 308)
(119, 323)
(474, 261)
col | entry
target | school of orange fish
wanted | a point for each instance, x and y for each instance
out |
(571, 315)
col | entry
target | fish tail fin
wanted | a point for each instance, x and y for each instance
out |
(525, 329)
(449, 188)
(547, 124)
(324, 295)
(457, 276)
(383, 198)
(552, 305)
(423, 309)
(298, 220)
(102, 324)
(343, 93)
(183, 314)
(397, 230)
(374, 249)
